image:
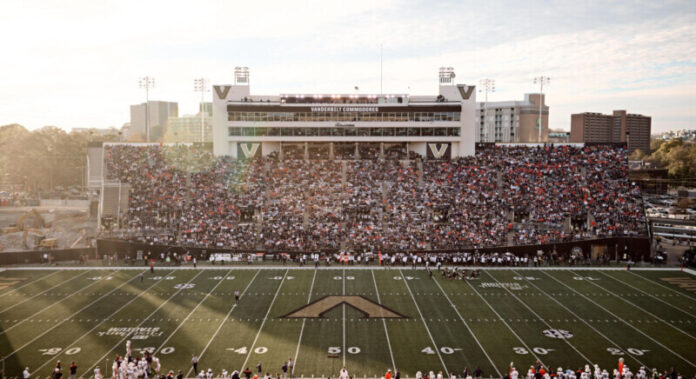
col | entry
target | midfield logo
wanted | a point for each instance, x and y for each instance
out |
(318, 308)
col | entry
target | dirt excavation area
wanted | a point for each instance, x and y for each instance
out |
(36, 228)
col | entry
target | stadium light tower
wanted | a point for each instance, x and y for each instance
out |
(201, 85)
(147, 82)
(541, 80)
(487, 86)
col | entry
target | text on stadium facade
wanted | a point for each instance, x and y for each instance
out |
(345, 109)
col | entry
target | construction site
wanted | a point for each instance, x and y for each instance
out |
(45, 227)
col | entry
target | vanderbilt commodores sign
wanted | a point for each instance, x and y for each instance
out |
(248, 150)
(318, 308)
(439, 150)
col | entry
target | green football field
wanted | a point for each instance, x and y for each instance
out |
(397, 318)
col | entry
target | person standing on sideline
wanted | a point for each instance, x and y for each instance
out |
(194, 363)
(344, 373)
(388, 375)
(259, 369)
(194, 262)
(73, 370)
(291, 367)
(141, 277)
(397, 374)
(236, 296)
(26, 373)
(285, 370)
(152, 266)
(97, 373)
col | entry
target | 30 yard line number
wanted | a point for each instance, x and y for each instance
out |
(537, 350)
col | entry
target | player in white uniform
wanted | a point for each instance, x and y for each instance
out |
(97, 373)
(514, 374)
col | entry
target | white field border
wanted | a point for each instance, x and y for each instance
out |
(339, 267)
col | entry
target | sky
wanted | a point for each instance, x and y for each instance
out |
(76, 64)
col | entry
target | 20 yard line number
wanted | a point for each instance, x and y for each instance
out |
(76, 350)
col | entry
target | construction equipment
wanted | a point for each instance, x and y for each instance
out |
(49, 243)
(35, 233)
(32, 215)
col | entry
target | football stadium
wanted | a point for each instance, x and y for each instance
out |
(353, 236)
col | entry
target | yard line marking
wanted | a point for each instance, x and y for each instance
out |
(663, 286)
(31, 282)
(468, 328)
(585, 322)
(654, 297)
(56, 303)
(344, 319)
(39, 294)
(506, 324)
(620, 319)
(69, 317)
(193, 310)
(639, 308)
(587, 360)
(103, 357)
(437, 350)
(234, 306)
(304, 320)
(384, 322)
(264, 321)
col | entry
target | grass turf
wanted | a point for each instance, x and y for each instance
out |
(449, 325)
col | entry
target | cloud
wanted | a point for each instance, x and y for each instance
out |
(76, 64)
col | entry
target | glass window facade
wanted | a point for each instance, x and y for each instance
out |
(343, 116)
(347, 131)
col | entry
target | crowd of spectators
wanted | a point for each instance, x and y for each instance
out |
(519, 195)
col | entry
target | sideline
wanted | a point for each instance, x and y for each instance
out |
(348, 267)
